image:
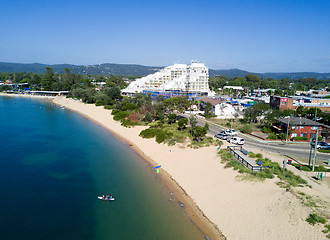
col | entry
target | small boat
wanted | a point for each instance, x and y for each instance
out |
(106, 198)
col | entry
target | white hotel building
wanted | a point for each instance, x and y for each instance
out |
(193, 78)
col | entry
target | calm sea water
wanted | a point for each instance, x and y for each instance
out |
(53, 165)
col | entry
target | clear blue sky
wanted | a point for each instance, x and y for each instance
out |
(253, 35)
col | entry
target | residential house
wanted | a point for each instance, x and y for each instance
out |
(299, 127)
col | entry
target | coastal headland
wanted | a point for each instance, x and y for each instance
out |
(217, 201)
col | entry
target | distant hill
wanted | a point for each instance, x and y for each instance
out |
(139, 70)
(106, 68)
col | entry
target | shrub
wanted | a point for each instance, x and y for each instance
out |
(266, 129)
(149, 133)
(161, 136)
(128, 123)
(251, 155)
(246, 129)
(120, 115)
(265, 173)
(259, 155)
(324, 150)
(100, 102)
(314, 218)
(282, 136)
(300, 138)
(114, 111)
(147, 117)
(225, 155)
(108, 107)
(272, 136)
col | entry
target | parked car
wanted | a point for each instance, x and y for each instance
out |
(320, 145)
(237, 140)
(231, 132)
(218, 135)
(223, 136)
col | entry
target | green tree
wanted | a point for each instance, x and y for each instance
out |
(48, 79)
(199, 132)
(147, 118)
(206, 126)
(193, 123)
(182, 123)
(171, 118)
(207, 109)
(301, 111)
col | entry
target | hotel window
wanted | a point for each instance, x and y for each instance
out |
(301, 127)
(283, 103)
(314, 127)
(294, 135)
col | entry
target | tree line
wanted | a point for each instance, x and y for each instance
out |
(283, 86)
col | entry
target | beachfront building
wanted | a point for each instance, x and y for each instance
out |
(220, 108)
(178, 79)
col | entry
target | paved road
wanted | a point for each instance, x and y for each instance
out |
(296, 151)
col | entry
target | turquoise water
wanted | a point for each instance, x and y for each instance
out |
(53, 165)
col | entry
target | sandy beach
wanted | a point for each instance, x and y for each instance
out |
(216, 200)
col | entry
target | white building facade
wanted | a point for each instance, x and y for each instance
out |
(193, 78)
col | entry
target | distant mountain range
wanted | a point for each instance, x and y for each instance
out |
(139, 70)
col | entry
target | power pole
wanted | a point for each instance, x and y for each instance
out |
(287, 131)
(315, 146)
(310, 156)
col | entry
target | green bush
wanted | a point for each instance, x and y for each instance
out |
(324, 150)
(149, 133)
(114, 111)
(266, 129)
(226, 155)
(314, 218)
(161, 136)
(108, 107)
(259, 155)
(128, 123)
(120, 115)
(252, 155)
(300, 138)
(282, 136)
(100, 102)
(265, 173)
(246, 129)
(308, 169)
(128, 106)
(272, 136)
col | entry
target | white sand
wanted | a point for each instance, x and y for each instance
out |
(240, 209)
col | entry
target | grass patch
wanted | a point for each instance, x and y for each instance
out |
(171, 134)
(324, 150)
(314, 218)
(287, 177)
(308, 169)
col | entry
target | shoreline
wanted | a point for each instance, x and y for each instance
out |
(195, 214)
(214, 197)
